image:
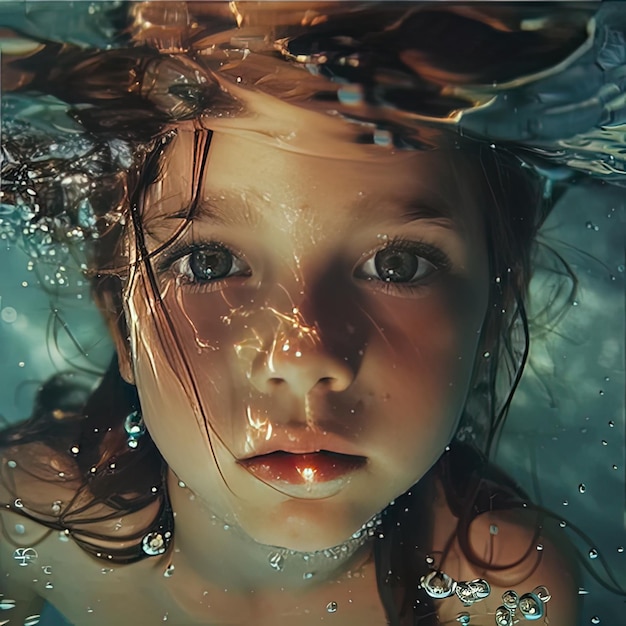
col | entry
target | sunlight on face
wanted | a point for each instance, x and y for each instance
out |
(327, 313)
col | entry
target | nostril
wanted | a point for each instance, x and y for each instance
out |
(275, 382)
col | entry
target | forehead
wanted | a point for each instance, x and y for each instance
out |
(330, 175)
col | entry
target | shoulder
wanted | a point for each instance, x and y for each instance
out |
(516, 550)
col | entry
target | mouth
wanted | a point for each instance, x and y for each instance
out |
(311, 471)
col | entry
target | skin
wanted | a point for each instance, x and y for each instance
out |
(305, 343)
(372, 369)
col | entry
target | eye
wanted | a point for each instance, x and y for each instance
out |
(403, 262)
(209, 262)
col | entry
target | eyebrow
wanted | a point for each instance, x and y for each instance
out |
(226, 207)
(223, 207)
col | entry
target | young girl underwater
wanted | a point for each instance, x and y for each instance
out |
(314, 299)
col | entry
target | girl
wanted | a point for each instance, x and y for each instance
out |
(309, 311)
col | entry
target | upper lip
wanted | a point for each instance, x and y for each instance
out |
(303, 442)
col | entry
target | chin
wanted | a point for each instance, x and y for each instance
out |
(305, 526)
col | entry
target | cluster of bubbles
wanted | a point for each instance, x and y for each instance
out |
(51, 170)
(529, 606)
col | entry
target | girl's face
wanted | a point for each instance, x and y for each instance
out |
(319, 325)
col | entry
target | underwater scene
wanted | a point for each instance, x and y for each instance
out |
(312, 313)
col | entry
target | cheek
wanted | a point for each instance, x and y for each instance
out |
(421, 362)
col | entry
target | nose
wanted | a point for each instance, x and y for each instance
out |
(300, 362)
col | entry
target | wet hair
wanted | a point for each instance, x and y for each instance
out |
(75, 438)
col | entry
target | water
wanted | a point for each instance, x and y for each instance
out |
(564, 440)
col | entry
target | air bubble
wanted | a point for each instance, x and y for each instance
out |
(503, 616)
(331, 607)
(582, 488)
(276, 561)
(591, 226)
(593, 553)
(531, 607)
(510, 599)
(595, 619)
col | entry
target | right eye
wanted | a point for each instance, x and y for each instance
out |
(208, 263)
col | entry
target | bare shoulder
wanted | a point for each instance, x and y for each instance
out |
(516, 550)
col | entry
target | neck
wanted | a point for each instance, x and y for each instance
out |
(225, 555)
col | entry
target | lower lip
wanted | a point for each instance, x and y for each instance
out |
(314, 472)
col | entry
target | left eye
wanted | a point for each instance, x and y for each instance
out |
(211, 262)
(397, 265)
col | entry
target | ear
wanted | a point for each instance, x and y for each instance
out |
(110, 303)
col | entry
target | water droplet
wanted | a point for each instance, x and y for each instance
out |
(276, 561)
(542, 593)
(331, 607)
(503, 616)
(25, 556)
(438, 585)
(510, 599)
(20, 529)
(593, 553)
(531, 607)
(582, 488)
(153, 544)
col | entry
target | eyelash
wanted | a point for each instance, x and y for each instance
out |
(433, 255)
(181, 251)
